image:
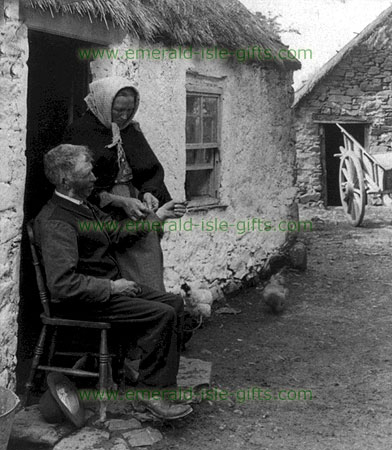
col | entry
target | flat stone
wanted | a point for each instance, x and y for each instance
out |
(119, 444)
(30, 426)
(194, 373)
(144, 437)
(85, 439)
(309, 198)
(123, 425)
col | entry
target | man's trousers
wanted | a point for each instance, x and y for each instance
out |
(154, 319)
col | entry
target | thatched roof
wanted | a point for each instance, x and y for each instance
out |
(308, 87)
(203, 23)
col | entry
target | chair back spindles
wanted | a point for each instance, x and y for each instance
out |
(43, 293)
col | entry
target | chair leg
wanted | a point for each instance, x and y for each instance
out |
(118, 362)
(103, 373)
(120, 366)
(52, 348)
(38, 351)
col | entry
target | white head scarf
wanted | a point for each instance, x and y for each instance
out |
(100, 103)
(101, 97)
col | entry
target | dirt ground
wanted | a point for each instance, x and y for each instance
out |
(334, 338)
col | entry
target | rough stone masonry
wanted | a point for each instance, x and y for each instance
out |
(13, 115)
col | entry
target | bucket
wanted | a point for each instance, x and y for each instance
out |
(8, 403)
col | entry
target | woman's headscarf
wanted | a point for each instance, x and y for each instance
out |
(101, 97)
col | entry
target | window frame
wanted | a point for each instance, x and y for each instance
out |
(200, 90)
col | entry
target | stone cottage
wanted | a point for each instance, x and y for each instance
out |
(220, 125)
(354, 88)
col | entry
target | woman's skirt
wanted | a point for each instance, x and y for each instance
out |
(141, 262)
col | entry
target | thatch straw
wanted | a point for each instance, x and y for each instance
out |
(208, 23)
(308, 87)
(130, 15)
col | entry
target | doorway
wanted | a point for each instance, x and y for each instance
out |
(333, 139)
(57, 83)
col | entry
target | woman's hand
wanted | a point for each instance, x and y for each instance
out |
(172, 210)
(134, 208)
(150, 201)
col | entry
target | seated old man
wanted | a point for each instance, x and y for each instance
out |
(84, 279)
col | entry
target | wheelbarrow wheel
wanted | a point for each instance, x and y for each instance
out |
(352, 188)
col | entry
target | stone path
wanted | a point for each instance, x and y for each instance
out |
(124, 429)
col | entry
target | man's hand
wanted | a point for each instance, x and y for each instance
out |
(125, 287)
(172, 210)
(134, 208)
(150, 201)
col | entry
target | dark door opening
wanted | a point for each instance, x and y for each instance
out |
(57, 83)
(333, 139)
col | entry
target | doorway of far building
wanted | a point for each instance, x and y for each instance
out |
(333, 139)
(57, 83)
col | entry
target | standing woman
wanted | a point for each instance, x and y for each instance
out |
(129, 175)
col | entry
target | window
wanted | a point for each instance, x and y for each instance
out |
(202, 146)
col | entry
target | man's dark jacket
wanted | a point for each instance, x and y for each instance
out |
(79, 264)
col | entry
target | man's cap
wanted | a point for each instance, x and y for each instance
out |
(61, 399)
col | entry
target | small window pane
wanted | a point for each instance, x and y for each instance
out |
(210, 106)
(193, 106)
(200, 156)
(193, 130)
(198, 183)
(209, 130)
(204, 155)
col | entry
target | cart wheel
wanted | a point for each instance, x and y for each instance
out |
(352, 188)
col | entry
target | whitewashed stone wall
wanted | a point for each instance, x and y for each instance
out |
(257, 169)
(13, 95)
(359, 87)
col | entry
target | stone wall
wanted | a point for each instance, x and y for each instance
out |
(359, 87)
(13, 86)
(257, 162)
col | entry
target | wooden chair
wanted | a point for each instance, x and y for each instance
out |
(50, 325)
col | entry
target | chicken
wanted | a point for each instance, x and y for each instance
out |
(275, 295)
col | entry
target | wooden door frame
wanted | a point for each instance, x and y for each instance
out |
(323, 159)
